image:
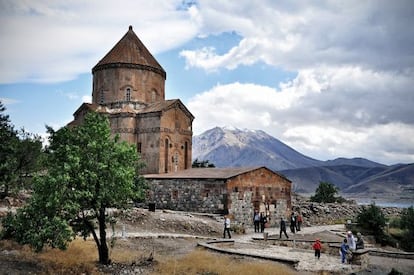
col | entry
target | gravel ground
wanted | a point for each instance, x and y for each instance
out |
(177, 233)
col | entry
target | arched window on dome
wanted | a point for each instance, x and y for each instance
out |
(128, 94)
(153, 96)
(102, 97)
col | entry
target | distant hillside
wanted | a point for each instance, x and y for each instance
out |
(235, 148)
(343, 176)
(230, 147)
(396, 180)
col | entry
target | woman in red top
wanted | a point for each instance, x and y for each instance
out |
(317, 246)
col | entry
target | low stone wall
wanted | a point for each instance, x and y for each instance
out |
(330, 213)
(359, 257)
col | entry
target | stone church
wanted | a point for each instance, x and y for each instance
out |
(128, 87)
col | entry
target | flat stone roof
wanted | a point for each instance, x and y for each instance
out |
(207, 173)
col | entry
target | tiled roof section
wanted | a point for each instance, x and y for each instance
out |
(130, 50)
(158, 106)
(204, 173)
(165, 105)
(87, 106)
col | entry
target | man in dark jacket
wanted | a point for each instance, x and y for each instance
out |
(283, 228)
(263, 221)
(292, 223)
(256, 220)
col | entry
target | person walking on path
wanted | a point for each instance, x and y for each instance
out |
(317, 246)
(256, 221)
(226, 227)
(283, 228)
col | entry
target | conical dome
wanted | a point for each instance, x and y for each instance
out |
(128, 73)
(130, 50)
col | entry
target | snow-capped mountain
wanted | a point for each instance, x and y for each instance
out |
(232, 147)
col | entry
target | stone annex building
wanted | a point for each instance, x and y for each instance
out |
(129, 88)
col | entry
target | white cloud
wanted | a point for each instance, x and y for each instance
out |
(56, 41)
(87, 98)
(323, 112)
(8, 101)
(370, 34)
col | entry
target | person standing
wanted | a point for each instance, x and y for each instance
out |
(226, 227)
(256, 220)
(292, 223)
(344, 250)
(263, 221)
(299, 222)
(317, 246)
(351, 241)
(283, 228)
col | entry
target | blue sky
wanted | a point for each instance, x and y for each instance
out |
(329, 78)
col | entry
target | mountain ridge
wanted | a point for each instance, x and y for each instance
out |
(233, 147)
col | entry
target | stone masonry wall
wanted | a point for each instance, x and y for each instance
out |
(260, 189)
(206, 196)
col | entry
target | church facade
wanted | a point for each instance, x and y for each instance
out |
(129, 88)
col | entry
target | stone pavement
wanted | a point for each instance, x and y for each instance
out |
(245, 245)
(306, 261)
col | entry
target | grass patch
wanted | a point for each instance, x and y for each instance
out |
(81, 257)
(205, 263)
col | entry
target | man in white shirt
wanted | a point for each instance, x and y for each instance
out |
(226, 227)
(351, 240)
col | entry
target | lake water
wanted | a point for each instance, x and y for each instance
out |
(384, 203)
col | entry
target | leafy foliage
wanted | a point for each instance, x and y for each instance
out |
(20, 154)
(88, 172)
(202, 164)
(326, 193)
(373, 221)
(407, 223)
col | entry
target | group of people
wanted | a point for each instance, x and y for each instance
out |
(259, 221)
(348, 246)
(295, 222)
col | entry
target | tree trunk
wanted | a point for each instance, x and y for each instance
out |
(103, 247)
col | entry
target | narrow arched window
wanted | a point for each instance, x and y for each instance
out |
(153, 96)
(101, 97)
(128, 94)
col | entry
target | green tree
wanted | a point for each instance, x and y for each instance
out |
(88, 171)
(20, 154)
(202, 164)
(28, 157)
(407, 223)
(8, 145)
(326, 192)
(372, 220)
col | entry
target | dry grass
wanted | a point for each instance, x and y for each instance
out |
(81, 257)
(205, 263)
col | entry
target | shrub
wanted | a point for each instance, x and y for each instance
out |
(326, 193)
(373, 220)
(407, 223)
